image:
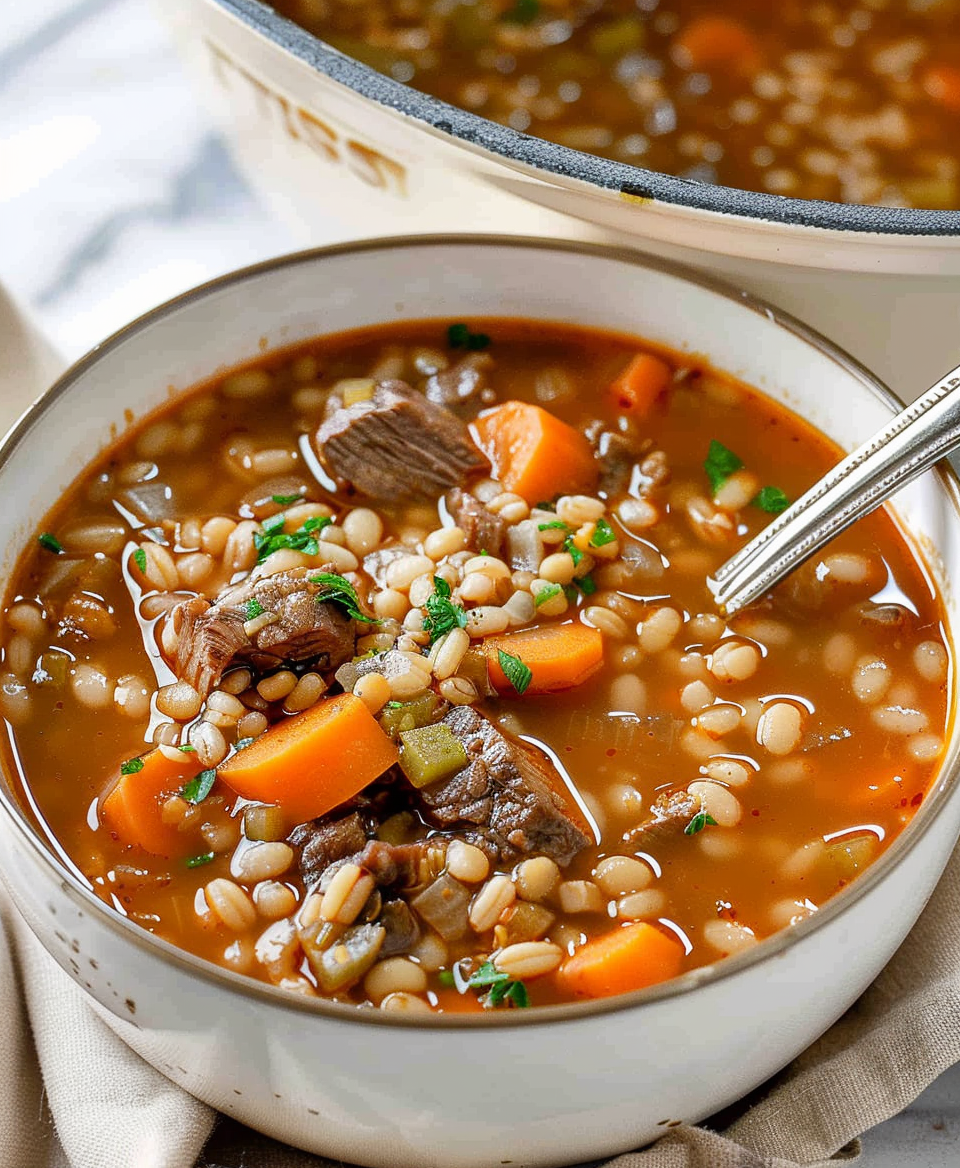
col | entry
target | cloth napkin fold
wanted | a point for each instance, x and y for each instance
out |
(74, 1096)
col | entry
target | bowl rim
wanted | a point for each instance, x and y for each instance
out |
(513, 147)
(46, 850)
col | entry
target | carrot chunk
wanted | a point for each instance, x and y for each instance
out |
(942, 83)
(628, 958)
(718, 41)
(313, 762)
(534, 454)
(558, 657)
(133, 806)
(640, 384)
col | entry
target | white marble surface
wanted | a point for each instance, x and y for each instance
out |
(116, 193)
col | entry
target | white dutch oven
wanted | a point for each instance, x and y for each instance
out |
(548, 1086)
(344, 152)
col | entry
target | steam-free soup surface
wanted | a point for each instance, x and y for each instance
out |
(386, 670)
(855, 101)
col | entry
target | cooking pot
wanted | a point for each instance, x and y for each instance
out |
(545, 1086)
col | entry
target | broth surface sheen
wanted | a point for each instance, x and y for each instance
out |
(481, 746)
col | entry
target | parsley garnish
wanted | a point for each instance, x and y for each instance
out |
(140, 559)
(200, 787)
(523, 12)
(286, 500)
(342, 592)
(553, 525)
(394, 705)
(253, 608)
(445, 977)
(586, 584)
(243, 743)
(771, 499)
(699, 822)
(515, 671)
(546, 594)
(50, 543)
(574, 552)
(187, 749)
(720, 464)
(443, 614)
(502, 986)
(132, 766)
(199, 861)
(603, 534)
(272, 538)
(459, 336)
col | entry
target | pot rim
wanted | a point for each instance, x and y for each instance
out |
(48, 851)
(513, 148)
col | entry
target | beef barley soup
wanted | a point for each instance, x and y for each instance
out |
(385, 669)
(855, 101)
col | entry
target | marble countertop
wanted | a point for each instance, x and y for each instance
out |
(117, 193)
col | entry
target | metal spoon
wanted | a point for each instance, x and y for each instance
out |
(911, 443)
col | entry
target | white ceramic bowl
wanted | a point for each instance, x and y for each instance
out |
(547, 1086)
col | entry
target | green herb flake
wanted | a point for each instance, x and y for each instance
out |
(699, 822)
(573, 551)
(459, 336)
(186, 749)
(394, 705)
(586, 584)
(273, 538)
(553, 525)
(243, 743)
(199, 787)
(518, 674)
(337, 590)
(771, 499)
(253, 608)
(199, 861)
(140, 559)
(546, 594)
(132, 766)
(286, 500)
(603, 534)
(502, 987)
(443, 614)
(50, 543)
(445, 978)
(523, 12)
(720, 464)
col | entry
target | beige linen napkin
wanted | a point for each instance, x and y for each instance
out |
(79, 1098)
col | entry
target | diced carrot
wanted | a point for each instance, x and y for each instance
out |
(313, 762)
(534, 454)
(627, 958)
(133, 806)
(942, 83)
(558, 657)
(710, 41)
(640, 384)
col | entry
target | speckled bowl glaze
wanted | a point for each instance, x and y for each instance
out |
(539, 1087)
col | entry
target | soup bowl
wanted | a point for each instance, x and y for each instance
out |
(546, 1086)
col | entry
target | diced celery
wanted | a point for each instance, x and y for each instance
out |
(430, 753)
(526, 922)
(343, 963)
(409, 715)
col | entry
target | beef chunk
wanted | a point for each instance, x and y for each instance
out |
(401, 926)
(326, 840)
(670, 814)
(461, 383)
(507, 798)
(210, 637)
(484, 530)
(398, 445)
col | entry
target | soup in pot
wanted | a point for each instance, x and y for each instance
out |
(385, 669)
(855, 101)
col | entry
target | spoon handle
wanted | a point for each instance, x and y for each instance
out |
(912, 442)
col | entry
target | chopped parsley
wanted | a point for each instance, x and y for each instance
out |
(445, 978)
(394, 705)
(523, 12)
(253, 608)
(586, 584)
(199, 787)
(574, 552)
(272, 538)
(553, 525)
(459, 336)
(337, 590)
(699, 822)
(443, 614)
(546, 594)
(199, 861)
(140, 559)
(186, 749)
(603, 534)
(132, 766)
(771, 499)
(503, 988)
(50, 543)
(286, 500)
(720, 464)
(518, 674)
(243, 743)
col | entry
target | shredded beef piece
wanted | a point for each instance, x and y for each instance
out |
(398, 445)
(507, 798)
(461, 383)
(484, 530)
(326, 840)
(670, 814)
(211, 637)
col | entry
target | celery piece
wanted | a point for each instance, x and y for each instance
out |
(410, 715)
(430, 753)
